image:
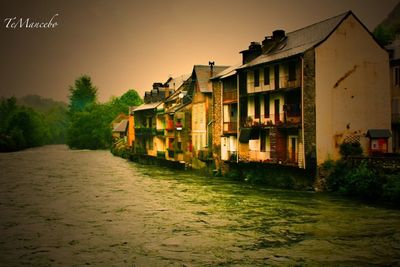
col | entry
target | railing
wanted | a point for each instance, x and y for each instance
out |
(230, 96)
(145, 131)
(279, 119)
(230, 127)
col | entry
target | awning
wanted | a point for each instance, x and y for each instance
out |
(247, 134)
(121, 127)
(379, 133)
(147, 106)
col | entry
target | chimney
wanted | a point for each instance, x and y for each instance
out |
(278, 35)
(211, 63)
(251, 53)
(271, 41)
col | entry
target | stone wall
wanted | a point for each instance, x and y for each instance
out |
(217, 120)
(309, 110)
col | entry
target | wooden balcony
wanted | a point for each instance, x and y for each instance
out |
(230, 127)
(229, 96)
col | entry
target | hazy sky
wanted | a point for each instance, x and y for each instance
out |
(131, 44)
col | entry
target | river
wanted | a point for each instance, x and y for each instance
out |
(61, 207)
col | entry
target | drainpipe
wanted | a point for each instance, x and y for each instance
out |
(302, 111)
(238, 118)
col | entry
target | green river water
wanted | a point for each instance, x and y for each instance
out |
(60, 207)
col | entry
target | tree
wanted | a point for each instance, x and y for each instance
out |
(384, 35)
(83, 93)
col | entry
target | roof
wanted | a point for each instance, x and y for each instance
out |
(121, 127)
(379, 133)
(119, 118)
(176, 82)
(301, 40)
(147, 106)
(203, 75)
(230, 71)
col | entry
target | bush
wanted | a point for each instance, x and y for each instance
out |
(363, 182)
(391, 190)
(350, 149)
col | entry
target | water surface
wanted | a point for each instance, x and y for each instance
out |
(74, 208)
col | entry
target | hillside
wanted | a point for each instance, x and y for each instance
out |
(40, 104)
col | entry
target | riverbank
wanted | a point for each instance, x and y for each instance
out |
(270, 175)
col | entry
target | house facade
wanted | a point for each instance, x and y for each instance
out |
(300, 95)
(201, 95)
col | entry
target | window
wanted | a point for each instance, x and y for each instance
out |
(256, 106)
(256, 77)
(397, 76)
(292, 71)
(266, 75)
(266, 106)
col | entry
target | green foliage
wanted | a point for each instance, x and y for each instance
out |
(83, 93)
(384, 35)
(362, 180)
(391, 190)
(350, 149)
(90, 122)
(21, 127)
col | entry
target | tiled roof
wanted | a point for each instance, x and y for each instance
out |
(121, 127)
(176, 82)
(299, 41)
(227, 72)
(147, 106)
(203, 75)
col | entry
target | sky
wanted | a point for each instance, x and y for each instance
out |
(125, 45)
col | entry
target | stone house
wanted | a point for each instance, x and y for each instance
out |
(200, 94)
(299, 95)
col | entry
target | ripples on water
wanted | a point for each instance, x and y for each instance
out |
(63, 207)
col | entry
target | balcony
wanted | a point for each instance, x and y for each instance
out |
(145, 131)
(230, 127)
(280, 120)
(229, 96)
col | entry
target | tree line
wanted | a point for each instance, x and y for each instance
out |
(82, 124)
(23, 126)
